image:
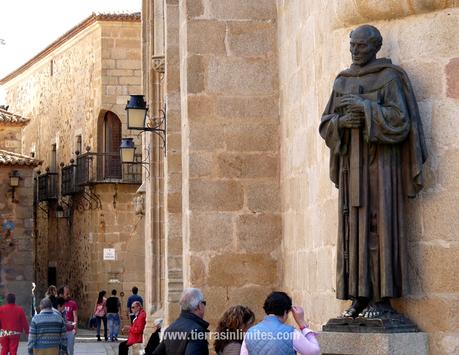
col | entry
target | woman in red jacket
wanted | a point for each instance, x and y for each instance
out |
(135, 330)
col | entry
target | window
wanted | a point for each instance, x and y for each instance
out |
(109, 164)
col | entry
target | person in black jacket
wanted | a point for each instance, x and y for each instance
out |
(188, 334)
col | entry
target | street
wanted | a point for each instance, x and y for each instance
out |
(86, 344)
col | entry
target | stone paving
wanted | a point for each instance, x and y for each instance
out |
(85, 344)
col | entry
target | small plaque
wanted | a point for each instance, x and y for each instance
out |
(109, 254)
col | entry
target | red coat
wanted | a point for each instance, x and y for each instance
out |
(137, 327)
(12, 317)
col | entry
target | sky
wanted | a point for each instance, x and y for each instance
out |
(29, 26)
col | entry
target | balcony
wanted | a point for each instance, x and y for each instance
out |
(68, 180)
(47, 187)
(100, 168)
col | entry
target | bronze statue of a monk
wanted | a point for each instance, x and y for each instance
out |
(372, 126)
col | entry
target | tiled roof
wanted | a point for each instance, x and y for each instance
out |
(10, 119)
(10, 158)
(94, 17)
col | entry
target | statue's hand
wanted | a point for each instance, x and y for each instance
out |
(352, 103)
(350, 120)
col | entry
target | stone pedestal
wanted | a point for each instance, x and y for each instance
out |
(334, 343)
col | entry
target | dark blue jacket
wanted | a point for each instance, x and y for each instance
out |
(186, 336)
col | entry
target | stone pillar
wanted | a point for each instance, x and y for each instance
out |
(230, 146)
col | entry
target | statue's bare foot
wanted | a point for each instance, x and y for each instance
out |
(358, 305)
(377, 310)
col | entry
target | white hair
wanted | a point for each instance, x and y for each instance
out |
(45, 303)
(190, 299)
(137, 303)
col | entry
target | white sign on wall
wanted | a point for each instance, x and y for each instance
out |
(109, 254)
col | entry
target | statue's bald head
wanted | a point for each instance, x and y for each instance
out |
(371, 33)
(365, 42)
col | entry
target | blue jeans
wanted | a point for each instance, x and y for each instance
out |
(113, 324)
(99, 320)
(70, 341)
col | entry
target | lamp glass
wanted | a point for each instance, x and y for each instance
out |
(127, 155)
(136, 118)
(59, 212)
(127, 150)
(14, 181)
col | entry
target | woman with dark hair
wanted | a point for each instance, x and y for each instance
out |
(51, 293)
(100, 312)
(231, 328)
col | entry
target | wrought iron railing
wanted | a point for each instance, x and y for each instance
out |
(69, 184)
(47, 187)
(95, 168)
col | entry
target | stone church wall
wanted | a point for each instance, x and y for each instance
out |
(313, 44)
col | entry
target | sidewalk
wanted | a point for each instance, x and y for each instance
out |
(86, 344)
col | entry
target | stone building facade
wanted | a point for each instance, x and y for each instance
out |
(242, 202)
(16, 212)
(88, 233)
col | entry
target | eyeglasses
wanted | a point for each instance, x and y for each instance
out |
(204, 303)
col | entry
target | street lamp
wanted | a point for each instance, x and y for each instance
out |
(127, 150)
(137, 119)
(14, 182)
(59, 211)
(137, 109)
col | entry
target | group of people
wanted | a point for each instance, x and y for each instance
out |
(52, 330)
(107, 311)
(236, 332)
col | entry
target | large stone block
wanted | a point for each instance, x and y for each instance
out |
(206, 37)
(259, 233)
(230, 165)
(196, 67)
(201, 164)
(207, 137)
(211, 231)
(263, 196)
(252, 137)
(452, 75)
(421, 37)
(440, 217)
(238, 76)
(201, 108)
(195, 8)
(247, 39)
(252, 297)
(244, 109)
(443, 132)
(433, 262)
(237, 270)
(435, 314)
(242, 9)
(332, 343)
(197, 271)
(208, 195)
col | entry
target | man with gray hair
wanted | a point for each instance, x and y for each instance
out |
(47, 334)
(188, 334)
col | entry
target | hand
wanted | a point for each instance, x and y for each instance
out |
(350, 120)
(352, 103)
(298, 315)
